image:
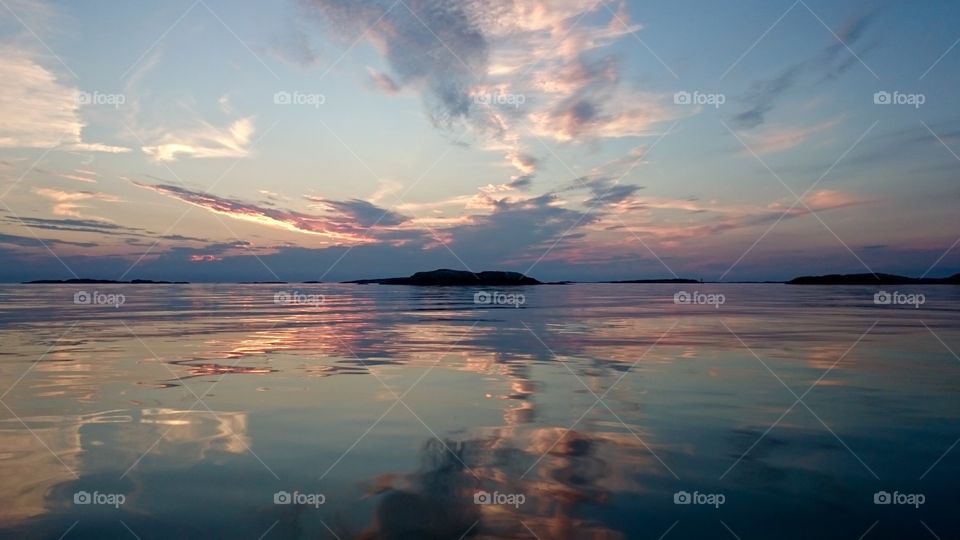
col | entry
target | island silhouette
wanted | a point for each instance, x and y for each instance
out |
(445, 277)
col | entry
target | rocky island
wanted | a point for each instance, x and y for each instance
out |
(446, 277)
(872, 279)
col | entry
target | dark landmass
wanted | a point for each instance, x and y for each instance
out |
(677, 280)
(872, 279)
(446, 277)
(87, 281)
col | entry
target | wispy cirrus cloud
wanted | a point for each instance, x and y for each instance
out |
(204, 140)
(349, 222)
(70, 204)
(361, 213)
(507, 71)
(775, 139)
(831, 62)
(39, 110)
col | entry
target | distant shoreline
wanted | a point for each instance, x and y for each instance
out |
(460, 278)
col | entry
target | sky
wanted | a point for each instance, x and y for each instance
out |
(216, 140)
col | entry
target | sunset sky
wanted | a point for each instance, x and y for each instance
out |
(341, 139)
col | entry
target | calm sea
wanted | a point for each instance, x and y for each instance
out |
(576, 411)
